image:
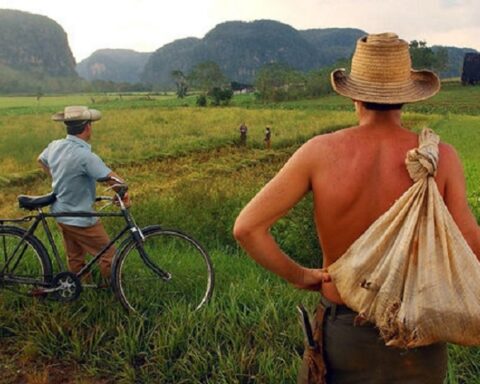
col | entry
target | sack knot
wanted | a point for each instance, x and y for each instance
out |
(422, 162)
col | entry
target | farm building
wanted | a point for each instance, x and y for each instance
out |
(471, 69)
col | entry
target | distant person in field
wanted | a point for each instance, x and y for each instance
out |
(268, 137)
(243, 134)
(356, 174)
(74, 169)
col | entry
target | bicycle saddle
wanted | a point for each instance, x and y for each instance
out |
(34, 202)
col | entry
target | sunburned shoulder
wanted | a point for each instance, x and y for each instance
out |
(449, 161)
(331, 137)
(329, 142)
(447, 150)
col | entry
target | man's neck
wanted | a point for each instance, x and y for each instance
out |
(380, 118)
(83, 137)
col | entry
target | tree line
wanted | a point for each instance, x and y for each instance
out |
(208, 78)
(278, 82)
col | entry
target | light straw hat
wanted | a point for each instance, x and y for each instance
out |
(77, 113)
(382, 73)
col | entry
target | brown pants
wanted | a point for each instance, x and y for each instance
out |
(82, 240)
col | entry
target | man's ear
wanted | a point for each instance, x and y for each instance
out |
(357, 104)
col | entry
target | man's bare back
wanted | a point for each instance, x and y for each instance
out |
(361, 173)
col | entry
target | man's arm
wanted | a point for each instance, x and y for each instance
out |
(44, 167)
(253, 224)
(455, 198)
(98, 170)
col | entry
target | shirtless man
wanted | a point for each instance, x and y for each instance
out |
(356, 175)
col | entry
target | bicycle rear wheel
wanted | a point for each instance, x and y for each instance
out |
(24, 265)
(140, 289)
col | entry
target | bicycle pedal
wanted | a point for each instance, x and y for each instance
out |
(90, 285)
(96, 286)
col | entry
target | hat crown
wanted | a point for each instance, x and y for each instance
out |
(74, 112)
(77, 113)
(382, 58)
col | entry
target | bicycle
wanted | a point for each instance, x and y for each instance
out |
(151, 266)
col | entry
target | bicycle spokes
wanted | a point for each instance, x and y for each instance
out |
(169, 268)
(23, 265)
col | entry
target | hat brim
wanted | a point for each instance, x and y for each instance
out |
(420, 86)
(90, 115)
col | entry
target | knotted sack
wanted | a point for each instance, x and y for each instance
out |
(412, 273)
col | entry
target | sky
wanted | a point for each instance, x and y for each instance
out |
(146, 25)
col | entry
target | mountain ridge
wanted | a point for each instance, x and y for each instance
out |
(35, 55)
(241, 48)
(117, 65)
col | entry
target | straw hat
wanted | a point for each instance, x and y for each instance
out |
(77, 113)
(382, 73)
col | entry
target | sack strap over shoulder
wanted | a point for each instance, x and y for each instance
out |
(422, 162)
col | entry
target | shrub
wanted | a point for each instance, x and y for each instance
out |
(220, 95)
(201, 101)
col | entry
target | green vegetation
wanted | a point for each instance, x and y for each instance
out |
(277, 82)
(425, 57)
(210, 80)
(181, 83)
(185, 170)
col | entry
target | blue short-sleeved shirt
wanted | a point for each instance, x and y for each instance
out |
(75, 170)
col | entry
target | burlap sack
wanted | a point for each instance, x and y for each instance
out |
(412, 272)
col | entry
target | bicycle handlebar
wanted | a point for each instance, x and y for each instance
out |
(104, 198)
(120, 190)
(119, 186)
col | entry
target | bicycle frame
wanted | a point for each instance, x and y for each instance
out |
(42, 216)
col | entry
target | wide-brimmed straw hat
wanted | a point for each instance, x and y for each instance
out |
(77, 113)
(382, 73)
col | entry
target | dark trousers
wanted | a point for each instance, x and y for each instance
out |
(357, 354)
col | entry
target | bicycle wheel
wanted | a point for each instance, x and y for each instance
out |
(140, 289)
(23, 265)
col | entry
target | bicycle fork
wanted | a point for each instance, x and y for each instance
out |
(139, 240)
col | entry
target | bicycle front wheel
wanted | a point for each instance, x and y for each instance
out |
(24, 262)
(173, 270)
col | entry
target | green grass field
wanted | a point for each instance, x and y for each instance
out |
(185, 170)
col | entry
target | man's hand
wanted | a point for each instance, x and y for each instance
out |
(125, 199)
(312, 279)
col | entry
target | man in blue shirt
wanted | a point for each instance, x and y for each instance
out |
(75, 169)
